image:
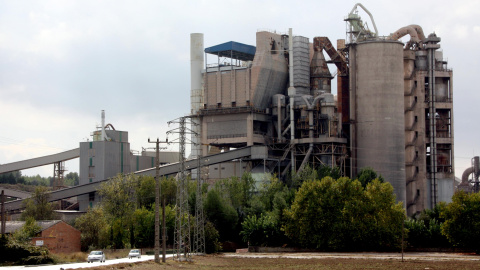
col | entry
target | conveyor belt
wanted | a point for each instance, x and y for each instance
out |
(253, 152)
(40, 161)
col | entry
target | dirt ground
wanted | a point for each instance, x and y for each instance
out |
(312, 261)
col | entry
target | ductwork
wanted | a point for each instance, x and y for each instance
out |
(419, 30)
(415, 31)
(466, 174)
(475, 169)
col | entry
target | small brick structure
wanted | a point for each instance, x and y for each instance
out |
(56, 235)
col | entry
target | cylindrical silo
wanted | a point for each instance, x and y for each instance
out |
(379, 110)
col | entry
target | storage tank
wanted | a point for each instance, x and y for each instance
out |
(379, 110)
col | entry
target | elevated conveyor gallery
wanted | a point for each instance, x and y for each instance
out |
(40, 161)
(252, 152)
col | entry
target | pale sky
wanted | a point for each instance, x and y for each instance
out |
(62, 62)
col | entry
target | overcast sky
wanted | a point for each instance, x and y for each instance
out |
(62, 62)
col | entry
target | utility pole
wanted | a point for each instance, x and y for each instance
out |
(157, 203)
(3, 212)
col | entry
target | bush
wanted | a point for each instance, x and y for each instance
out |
(16, 253)
(263, 231)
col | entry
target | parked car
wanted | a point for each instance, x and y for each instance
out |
(96, 255)
(134, 253)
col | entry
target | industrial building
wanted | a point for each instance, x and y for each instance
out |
(393, 110)
(270, 109)
(107, 155)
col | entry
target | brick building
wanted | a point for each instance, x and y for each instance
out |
(56, 235)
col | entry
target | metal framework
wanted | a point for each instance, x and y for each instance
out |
(182, 242)
(182, 229)
(199, 234)
(58, 170)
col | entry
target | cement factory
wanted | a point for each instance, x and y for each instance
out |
(269, 109)
(393, 110)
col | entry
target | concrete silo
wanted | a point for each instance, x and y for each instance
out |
(377, 110)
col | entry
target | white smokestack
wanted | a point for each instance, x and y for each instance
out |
(196, 94)
(103, 126)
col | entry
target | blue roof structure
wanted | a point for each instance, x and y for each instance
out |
(234, 50)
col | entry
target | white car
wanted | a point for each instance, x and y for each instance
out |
(134, 253)
(96, 255)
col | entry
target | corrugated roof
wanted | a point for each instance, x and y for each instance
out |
(12, 226)
(233, 50)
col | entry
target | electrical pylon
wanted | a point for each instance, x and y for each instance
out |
(182, 241)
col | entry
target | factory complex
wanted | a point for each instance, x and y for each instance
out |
(392, 111)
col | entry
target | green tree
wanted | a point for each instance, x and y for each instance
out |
(342, 215)
(144, 225)
(12, 178)
(384, 216)
(221, 213)
(38, 206)
(263, 231)
(424, 229)
(118, 202)
(27, 231)
(367, 175)
(169, 189)
(145, 192)
(71, 179)
(212, 245)
(462, 220)
(325, 170)
(307, 174)
(37, 180)
(93, 227)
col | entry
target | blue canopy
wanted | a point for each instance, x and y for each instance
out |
(234, 50)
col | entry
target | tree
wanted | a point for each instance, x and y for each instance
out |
(462, 220)
(325, 170)
(93, 227)
(342, 215)
(27, 231)
(263, 231)
(38, 206)
(145, 192)
(19, 250)
(367, 175)
(386, 214)
(144, 225)
(424, 229)
(212, 245)
(220, 212)
(12, 178)
(118, 202)
(71, 179)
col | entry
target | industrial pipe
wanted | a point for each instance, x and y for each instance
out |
(291, 94)
(279, 119)
(369, 14)
(407, 30)
(419, 30)
(104, 136)
(310, 130)
(467, 173)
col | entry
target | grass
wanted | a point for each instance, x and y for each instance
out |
(220, 262)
